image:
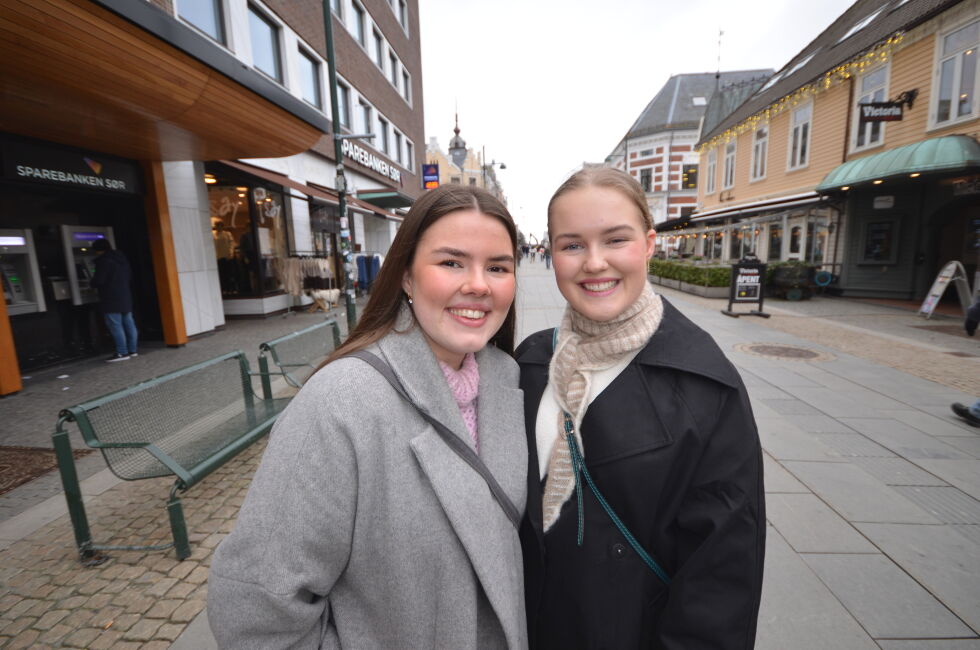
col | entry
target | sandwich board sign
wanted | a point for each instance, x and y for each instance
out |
(953, 272)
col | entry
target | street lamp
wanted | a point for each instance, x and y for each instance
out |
(346, 247)
(490, 165)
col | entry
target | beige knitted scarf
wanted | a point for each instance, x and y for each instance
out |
(584, 347)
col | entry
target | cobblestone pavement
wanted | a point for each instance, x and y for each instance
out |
(871, 484)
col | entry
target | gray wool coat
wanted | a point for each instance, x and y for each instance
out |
(362, 529)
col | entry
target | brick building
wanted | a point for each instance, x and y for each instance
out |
(196, 136)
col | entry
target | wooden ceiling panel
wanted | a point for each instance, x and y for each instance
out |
(75, 73)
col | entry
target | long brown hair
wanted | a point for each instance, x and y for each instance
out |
(608, 177)
(381, 311)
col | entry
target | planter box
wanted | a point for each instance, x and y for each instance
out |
(696, 289)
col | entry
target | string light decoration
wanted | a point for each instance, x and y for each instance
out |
(880, 53)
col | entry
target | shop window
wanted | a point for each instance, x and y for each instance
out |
(712, 170)
(717, 244)
(265, 44)
(689, 177)
(248, 230)
(873, 89)
(205, 15)
(795, 234)
(775, 243)
(309, 72)
(958, 74)
(816, 242)
(880, 242)
(760, 150)
(728, 181)
(735, 244)
(343, 104)
(645, 179)
(799, 148)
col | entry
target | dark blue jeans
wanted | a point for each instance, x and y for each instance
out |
(123, 331)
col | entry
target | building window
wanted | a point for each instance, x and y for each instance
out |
(728, 179)
(359, 16)
(958, 74)
(645, 178)
(646, 152)
(309, 72)
(689, 177)
(398, 147)
(794, 239)
(709, 184)
(760, 149)
(337, 6)
(406, 87)
(775, 242)
(799, 147)
(472, 181)
(403, 14)
(204, 15)
(383, 129)
(367, 117)
(393, 71)
(265, 44)
(454, 179)
(880, 242)
(873, 89)
(343, 104)
(379, 50)
(409, 155)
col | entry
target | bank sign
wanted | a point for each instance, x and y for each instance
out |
(369, 160)
(44, 163)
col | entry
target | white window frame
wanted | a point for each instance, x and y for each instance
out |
(304, 53)
(379, 47)
(222, 23)
(337, 6)
(359, 20)
(793, 164)
(344, 107)
(409, 155)
(760, 153)
(399, 139)
(394, 64)
(383, 143)
(277, 35)
(367, 115)
(726, 182)
(939, 59)
(858, 96)
(711, 167)
(406, 86)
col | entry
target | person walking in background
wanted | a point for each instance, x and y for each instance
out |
(371, 526)
(113, 279)
(645, 523)
(546, 254)
(970, 413)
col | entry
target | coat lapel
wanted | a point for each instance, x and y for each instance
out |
(483, 529)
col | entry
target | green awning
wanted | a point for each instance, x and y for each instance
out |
(388, 199)
(949, 154)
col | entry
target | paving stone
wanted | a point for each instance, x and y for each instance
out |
(897, 471)
(970, 531)
(143, 630)
(856, 495)
(186, 612)
(963, 474)
(818, 423)
(943, 561)
(783, 441)
(169, 631)
(904, 440)
(25, 639)
(107, 640)
(947, 504)
(777, 479)
(163, 608)
(831, 402)
(884, 599)
(791, 406)
(81, 638)
(50, 619)
(853, 445)
(810, 526)
(967, 445)
(923, 644)
(55, 635)
(798, 611)
(941, 422)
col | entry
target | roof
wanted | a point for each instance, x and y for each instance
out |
(952, 153)
(677, 106)
(727, 100)
(831, 49)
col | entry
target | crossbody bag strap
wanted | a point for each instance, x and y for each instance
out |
(579, 468)
(455, 443)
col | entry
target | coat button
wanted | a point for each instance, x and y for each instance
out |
(618, 550)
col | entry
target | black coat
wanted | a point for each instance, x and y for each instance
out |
(113, 279)
(673, 447)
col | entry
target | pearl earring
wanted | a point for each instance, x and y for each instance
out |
(410, 300)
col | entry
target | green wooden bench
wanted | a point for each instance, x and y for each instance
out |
(186, 423)
(296, 356)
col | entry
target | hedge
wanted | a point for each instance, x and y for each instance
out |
(705, 276)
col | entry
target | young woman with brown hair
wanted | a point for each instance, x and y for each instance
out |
(369, 524)
(645, 524)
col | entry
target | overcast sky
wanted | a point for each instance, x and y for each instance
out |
(547, 84)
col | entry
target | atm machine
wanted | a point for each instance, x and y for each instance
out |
(80, 259)
(19, 274)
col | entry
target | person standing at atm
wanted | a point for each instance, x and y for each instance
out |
(113, 279)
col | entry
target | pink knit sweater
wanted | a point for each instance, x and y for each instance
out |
(465, 385)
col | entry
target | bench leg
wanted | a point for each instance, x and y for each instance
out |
(73, 495)
(177, 526)
(264, 373)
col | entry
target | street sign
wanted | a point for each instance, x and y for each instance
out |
(748, 286)
(430, 176)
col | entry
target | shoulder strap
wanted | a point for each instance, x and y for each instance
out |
(457, 444)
